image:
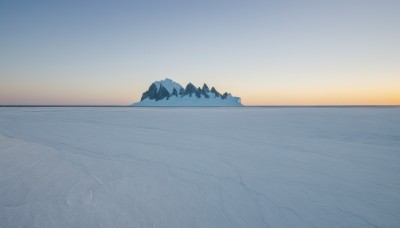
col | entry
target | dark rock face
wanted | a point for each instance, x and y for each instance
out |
(205, 91)
(198, 92)
(162, 93)
(205, 88)
(174, 93)
(190, 89)
(151, 93)
(217, 94)
(181, 92)
(154, 94)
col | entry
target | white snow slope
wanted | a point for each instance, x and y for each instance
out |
(169, 85)
(199, 167)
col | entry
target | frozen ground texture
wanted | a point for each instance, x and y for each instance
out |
(191, 101)
(199, 167)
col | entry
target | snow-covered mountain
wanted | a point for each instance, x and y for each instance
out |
(169, 93)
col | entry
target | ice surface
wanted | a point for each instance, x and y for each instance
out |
(199, 167)
(192, 101)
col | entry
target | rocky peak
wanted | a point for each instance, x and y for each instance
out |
(213, 90)
(205, 88)
(167, 90)
(151, 93)
(189, 90)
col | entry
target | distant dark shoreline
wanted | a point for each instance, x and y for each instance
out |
(247, 106)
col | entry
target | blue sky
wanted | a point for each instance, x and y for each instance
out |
(267, 52)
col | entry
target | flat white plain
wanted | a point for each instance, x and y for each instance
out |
(199, 167)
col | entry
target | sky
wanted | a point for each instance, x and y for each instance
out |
(342, 52)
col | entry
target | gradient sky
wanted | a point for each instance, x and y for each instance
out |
(342, 52)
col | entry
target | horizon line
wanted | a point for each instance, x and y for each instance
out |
(243, 106)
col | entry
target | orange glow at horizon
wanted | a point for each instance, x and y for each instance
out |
(40, 95)
(303, 87)
(375, 96)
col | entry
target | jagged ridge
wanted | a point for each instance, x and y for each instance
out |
(169, 90)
